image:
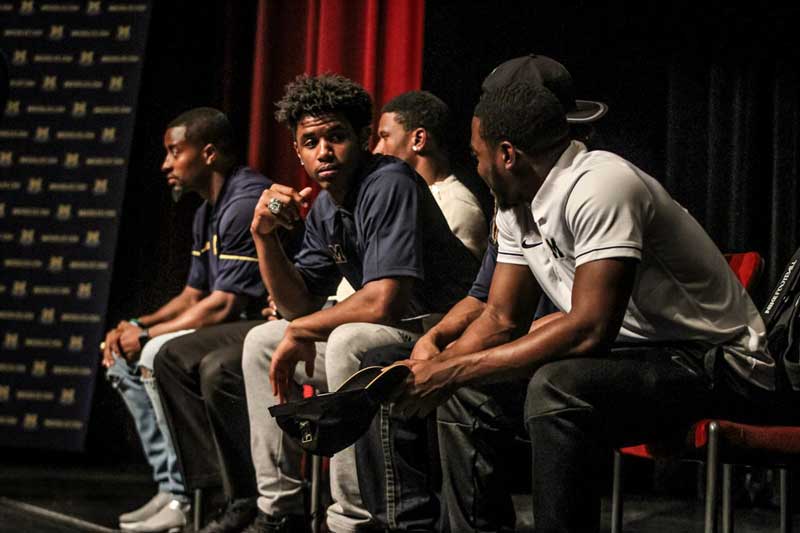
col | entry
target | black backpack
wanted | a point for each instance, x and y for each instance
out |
(781, 318)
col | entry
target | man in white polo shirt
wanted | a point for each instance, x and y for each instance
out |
(654, 330)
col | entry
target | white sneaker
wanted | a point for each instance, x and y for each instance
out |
(171, 518)
(147, 510)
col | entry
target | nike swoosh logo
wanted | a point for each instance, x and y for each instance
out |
(526, 245)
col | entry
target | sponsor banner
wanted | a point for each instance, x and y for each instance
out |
(65, 137)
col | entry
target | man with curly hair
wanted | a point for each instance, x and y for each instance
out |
(376, 224)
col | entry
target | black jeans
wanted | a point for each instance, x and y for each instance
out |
(479, 431)
(394, 465)
(199, 377)
(575, 412)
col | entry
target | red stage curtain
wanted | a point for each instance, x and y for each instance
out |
(377, 43)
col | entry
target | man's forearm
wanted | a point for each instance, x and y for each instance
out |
(283, 281)
(456, 321)
(486, 331)
(214, 309)
(379, 302)
(171, 309)
(557, 339)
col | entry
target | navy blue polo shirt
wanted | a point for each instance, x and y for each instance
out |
(223, 253)
(389, 226)
(480, 287)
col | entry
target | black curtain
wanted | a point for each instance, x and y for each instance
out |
(732, 133)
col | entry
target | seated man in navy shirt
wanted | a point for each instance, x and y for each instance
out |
(375, 223)
(223, 285)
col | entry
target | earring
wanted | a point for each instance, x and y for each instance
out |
(415, 148)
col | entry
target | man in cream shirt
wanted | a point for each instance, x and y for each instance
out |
(413, 127)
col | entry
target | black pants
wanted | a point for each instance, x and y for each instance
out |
(576, 411)
(199, 377)
(395, 473)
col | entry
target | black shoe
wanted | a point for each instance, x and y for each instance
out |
(265, 523)
(237, 516)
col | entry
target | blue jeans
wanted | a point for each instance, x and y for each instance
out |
(141, 398)
(395, 469)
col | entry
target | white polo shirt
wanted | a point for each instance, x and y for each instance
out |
(596, 205)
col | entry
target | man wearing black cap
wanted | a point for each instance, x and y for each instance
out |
(398, 487)
(374, 223)
(647, 339)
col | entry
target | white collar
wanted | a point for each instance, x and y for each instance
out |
(552, 185)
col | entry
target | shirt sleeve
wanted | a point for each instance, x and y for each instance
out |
(607, 212)
(238, 264)
(480, 288)
(314, 261)
(508, 247)
(198, 269)
(390, 213)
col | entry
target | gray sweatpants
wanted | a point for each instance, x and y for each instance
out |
(276, 458)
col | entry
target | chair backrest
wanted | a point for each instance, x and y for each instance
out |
(747, 266)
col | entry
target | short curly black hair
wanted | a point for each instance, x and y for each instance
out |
(421, 109)
(526, 114)
(327, 93)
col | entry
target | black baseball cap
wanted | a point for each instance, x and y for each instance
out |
(548, 72)
(330, 422)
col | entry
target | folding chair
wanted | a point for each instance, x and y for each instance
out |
(704, 435)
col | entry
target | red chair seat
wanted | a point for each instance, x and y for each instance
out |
(752, 441)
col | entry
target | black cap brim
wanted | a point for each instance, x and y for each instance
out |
(586, 112)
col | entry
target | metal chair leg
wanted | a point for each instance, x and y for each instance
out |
(712, 474)
(727, 506)
(616, 494)
(317, 512)
(786, 502)
(197, 509)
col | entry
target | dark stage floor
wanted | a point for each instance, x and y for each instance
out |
(57, 500)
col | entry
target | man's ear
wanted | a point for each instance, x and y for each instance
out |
(508, 154)
(209, 154)
(419, 137)
(363, 137)
(297, 153)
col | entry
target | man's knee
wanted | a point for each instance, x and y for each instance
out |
(216, 372)
(148, 355)
(122, 377)
(556, 386)
(346, 344)
(357, 338)
(346, 334)
(167, 358)
(259, 344)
